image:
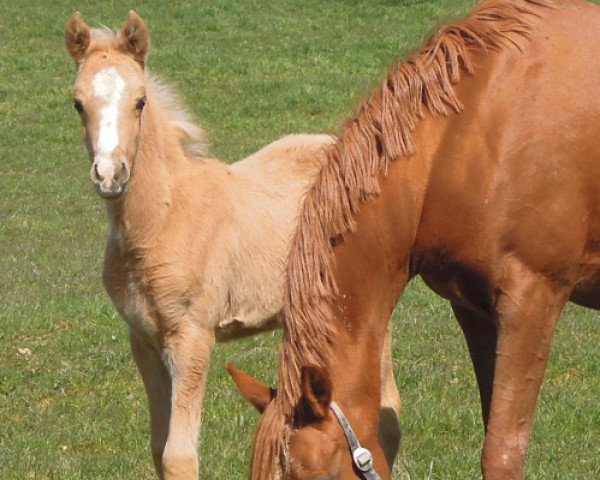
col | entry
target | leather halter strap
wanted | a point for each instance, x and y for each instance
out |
(361, 457)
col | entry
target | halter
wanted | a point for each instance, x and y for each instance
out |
(361, 457)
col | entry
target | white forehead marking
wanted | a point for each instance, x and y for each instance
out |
(108, 86)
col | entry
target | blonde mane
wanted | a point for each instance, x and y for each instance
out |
(190, 135)
(380, 133)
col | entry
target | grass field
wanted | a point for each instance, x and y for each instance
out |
(71, 403)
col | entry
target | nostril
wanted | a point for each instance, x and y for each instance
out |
(96, 174)
(124, 176)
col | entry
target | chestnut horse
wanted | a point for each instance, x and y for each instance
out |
(476, 165)
(196, 250)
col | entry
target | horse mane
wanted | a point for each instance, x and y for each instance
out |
(380, 133)
(191, 136)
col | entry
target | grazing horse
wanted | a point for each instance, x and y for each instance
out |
(196, 249)
(476, 165)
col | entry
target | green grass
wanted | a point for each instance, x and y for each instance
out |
(251, 71)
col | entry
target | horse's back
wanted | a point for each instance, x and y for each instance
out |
(296, 156)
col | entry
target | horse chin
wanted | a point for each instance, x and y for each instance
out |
(111, 194)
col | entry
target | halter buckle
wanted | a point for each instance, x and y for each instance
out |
(363, 459)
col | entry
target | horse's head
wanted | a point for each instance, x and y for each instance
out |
(316, 448)
(109, 95)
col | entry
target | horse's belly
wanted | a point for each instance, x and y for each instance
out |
(249, 313)
(251, 299)
(462, 288)
(587, 292)
(234, 328)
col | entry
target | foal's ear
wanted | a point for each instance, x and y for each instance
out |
(252, 390)
(135, 38)
(316, 394)
(77, 37)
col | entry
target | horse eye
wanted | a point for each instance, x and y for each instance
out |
(140, 103)
(78, 105)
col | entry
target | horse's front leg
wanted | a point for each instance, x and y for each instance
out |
(186, 352)
(391, 403)
(158, 388)
(528, 307)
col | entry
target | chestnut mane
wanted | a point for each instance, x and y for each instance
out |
(191, 136)
(380, 133)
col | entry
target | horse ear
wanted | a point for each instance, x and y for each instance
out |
(316, 393)
(251, 390)
(77, 37)
(135, 38)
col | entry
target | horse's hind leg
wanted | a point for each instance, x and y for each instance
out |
(391, 404)
(186, 353)
(481, 335)
(528, 307)
(158, 388)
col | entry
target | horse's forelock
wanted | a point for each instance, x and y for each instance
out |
(104, 34)
(102, 38)
(270, 444)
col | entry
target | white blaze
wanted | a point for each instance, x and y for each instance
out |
(109, 87)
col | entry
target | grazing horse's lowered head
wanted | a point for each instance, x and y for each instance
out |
(110, 95)
(314, 423)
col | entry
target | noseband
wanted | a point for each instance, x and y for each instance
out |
(361, 457)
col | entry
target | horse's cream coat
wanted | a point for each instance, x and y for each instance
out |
(197, 248)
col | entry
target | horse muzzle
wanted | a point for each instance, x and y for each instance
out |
(111, 182)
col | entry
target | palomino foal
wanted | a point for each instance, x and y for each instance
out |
(196, 249)
(476, 165)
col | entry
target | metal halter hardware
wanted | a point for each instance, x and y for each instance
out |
(361, 457)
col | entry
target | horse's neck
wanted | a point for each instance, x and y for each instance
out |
(402, 196)
(138, 218)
